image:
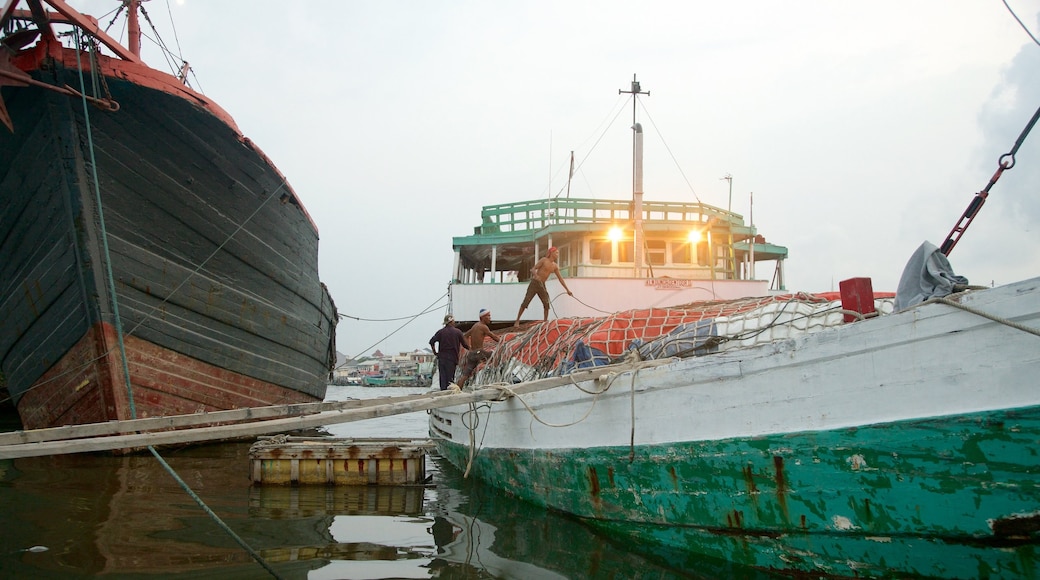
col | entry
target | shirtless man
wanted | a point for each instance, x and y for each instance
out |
(539, 276)
(476, 335)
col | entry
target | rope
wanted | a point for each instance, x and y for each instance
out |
(606, 126)
(256, 556)
(411, 320)
(471, 430)
(471, 426)
(209, 257)
(150, 313)
(1017, 19)
(584, 304)
(669, 149)
(595, 396)
(427, 311)
(110, 278)
(119, 326)
(986, 315)
(632, 410)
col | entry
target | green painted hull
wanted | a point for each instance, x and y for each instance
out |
(952, 497)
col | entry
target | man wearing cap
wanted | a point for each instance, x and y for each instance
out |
(447, 350)
(477, 335)
(539, 276)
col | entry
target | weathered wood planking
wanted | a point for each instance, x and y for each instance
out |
(369, 409)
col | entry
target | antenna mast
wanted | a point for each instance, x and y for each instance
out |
(637, 178)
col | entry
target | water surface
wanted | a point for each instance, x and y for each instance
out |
(88, 515)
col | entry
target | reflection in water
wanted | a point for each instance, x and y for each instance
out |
(125, 517)
(509, 538)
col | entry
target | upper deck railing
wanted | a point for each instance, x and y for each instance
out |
(541, 213)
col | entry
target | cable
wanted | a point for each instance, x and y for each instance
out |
(173, 25)
(110, 277)
(119, 326)
(1020, 22)
(994, 318)
(220, 523)
(425, 310)
(605, 126)
(672, 155)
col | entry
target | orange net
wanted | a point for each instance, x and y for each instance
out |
(559, 346)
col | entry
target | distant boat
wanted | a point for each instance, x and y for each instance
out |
(395, 381)
(801, 433)
(154, 260)
(375, 380)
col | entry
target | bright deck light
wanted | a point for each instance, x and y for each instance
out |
(615, 233)
(694, 236)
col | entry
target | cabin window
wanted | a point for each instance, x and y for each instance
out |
(568, 257)
(703, 258)
(625, 253)
(681, 252)
(655, 250)
(599, 251)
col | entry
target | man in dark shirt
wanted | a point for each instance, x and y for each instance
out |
(445, 344)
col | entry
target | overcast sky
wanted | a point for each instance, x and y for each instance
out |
(863, 129)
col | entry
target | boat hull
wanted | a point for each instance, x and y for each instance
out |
(903, 445)
(199, 262)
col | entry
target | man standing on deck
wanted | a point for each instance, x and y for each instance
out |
(476, 335)
(447, 350)
(539, 276)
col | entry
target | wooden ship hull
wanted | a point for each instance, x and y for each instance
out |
(155, 261)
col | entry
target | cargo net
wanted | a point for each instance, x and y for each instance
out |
(561, 346)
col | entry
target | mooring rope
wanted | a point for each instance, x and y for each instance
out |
(119, 327)
(238, 540)
(410, 319)
(110, 277)
(632, 410)
(633, 366)
(986, 315)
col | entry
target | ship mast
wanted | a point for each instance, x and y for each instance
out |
(637, 179)
(133, 27)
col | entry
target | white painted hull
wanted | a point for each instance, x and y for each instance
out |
(594, 296)
(929, 361)
(898, 446)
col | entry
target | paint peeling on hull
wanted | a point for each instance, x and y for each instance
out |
(795, 503)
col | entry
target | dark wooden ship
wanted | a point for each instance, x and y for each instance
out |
(153, 261)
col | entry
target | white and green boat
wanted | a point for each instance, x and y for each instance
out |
(780, 432)
(904, 444)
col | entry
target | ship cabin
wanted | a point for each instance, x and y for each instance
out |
(611, 256)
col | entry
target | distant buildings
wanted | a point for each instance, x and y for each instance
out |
(403, 369)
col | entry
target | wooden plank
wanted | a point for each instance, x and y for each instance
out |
(374, 408)
(178, 421)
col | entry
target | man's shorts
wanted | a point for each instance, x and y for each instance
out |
(472, 360)
(536, 287)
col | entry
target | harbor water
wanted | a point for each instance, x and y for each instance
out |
(91, 515)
